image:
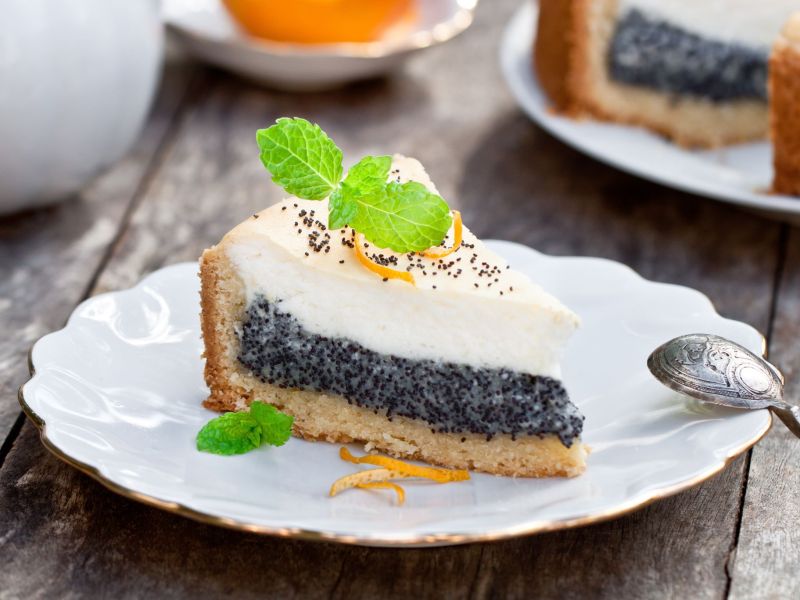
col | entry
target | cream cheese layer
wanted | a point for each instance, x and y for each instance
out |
(749, 22)
(467, 308)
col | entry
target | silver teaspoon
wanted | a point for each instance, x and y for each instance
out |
(711, 368)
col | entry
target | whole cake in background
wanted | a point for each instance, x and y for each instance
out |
(695, 71)
(785, 108)
(406, 334)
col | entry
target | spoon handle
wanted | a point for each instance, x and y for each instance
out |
(789, 414)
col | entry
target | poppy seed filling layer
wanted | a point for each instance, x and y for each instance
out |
(651, 53)
(449, 397)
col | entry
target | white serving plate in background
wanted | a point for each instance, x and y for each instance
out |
(206, 30)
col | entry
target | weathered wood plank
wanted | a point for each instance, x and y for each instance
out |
(768, 554)
(512, 181)
(676, 548)
(48, 257)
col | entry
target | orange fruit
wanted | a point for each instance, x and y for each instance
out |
(320, 21)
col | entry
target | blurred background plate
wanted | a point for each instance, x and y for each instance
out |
(207, 31)
(739, 174)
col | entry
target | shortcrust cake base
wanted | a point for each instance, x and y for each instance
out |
(571, 49)
(331, 419)
(319, 416)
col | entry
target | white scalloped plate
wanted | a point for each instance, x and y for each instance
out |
(739, 174)
(118, 392)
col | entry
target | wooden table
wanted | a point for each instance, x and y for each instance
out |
(195, 173)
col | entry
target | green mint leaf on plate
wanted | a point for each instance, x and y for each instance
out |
(231, 433)
(240, 432)
(276, 427)
(405, 217)
(367, 176)
(302, 159)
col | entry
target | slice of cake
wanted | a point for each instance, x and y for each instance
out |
(446, 356)
(693, 71)
(784, 83)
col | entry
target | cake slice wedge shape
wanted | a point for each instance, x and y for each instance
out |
(459, 369)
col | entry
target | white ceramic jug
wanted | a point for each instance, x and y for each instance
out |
(76, 81)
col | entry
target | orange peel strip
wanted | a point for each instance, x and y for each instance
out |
(405, 469)
(401, 493)
(386, 272)
(363, 477)
(458, 234)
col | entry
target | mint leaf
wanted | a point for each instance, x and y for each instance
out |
(240, 432)
(365, 177)
(302, 159)
(405, 217)
(231, 433)
(276, 427)
(341, 208)
(369, 174)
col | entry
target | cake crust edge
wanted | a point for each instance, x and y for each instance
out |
(330, 418)
(784, 84)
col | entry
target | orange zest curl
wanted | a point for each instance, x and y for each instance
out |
(401, 493)
(363, 478)
(388, 469)
(386, 272)
(404, 468)
(458, 233)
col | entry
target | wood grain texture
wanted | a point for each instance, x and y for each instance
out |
(48, 257)
(65, 535)
(768, 552)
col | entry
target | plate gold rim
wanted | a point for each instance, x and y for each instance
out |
(430, 540)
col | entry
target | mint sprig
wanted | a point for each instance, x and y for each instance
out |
(404, 217)
(302, 159)
(240, 432)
